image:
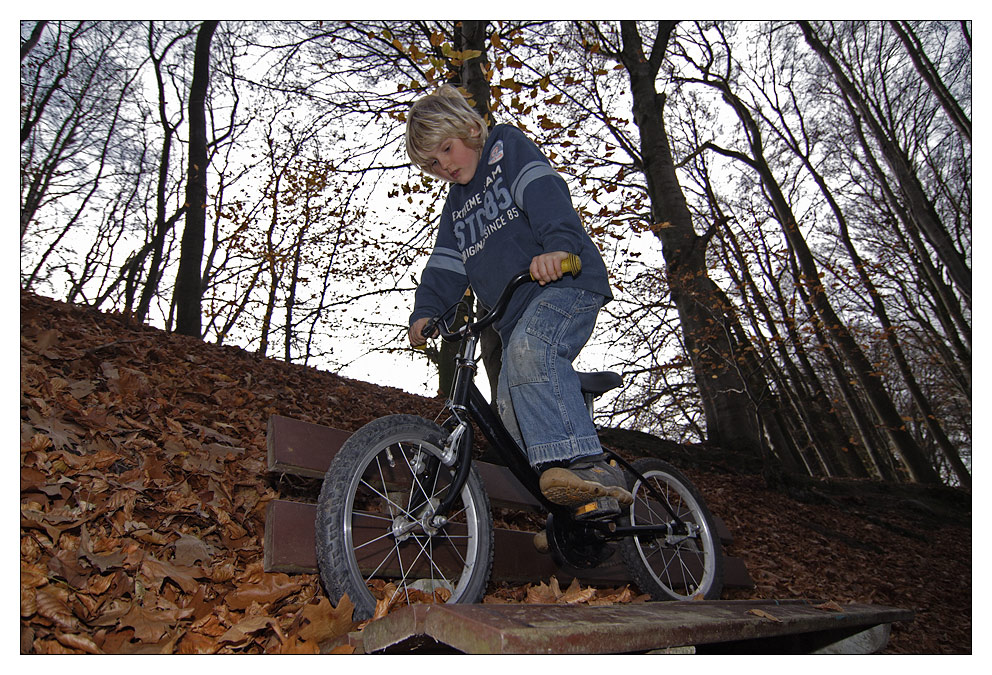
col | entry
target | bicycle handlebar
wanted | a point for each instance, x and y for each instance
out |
(570, 265)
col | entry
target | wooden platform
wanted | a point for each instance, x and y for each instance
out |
(304, 449)
(735, 627)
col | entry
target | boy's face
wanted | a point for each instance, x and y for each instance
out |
(454, 161)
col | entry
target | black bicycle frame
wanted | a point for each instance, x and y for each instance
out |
(466, 399)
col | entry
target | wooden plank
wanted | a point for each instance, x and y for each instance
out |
(715, 626)
(290, 538)
(290, 547)
(301, 448)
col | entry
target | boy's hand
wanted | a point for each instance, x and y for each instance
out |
(546, 267)
(414, 334)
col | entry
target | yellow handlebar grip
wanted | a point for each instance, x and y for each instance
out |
(571, 264)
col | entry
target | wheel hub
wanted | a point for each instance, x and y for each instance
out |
(404, 526)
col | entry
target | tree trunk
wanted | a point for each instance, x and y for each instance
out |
(471, 36)
(271, 260)
(32, 41)
(189, 290)
(294, 278)
(813, 411)
(161, 225)
(731, 417)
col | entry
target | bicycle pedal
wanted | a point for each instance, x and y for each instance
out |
(602, 508)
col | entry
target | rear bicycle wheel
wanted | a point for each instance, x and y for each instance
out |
(374, 532)
(680, 565)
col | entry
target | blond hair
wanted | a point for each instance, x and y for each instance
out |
(435, 117)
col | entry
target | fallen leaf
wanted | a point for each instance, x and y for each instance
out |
(29, 601)
(327, 621)
(272, 587)
(51, 647)
(197, 643)
(157, 572)
(77, 641)
(623, 596)
(298, 646)
(32, 576)
(391, 594)
(98, 585)
(102, 562)
(830, 606)
(764, 615)
(51, 604)
(242, 631)
(540, 595)
(151, 625)
(62, 435)
(223, 572)
(190, 550)
(576, 594)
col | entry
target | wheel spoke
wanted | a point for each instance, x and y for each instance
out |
(433, 565)
(374, 516)
(406, 571)
(424, 550)
(687, 575)
(648, 505)
(383, 562)
(385, 494)
(388, 499)
(388, 533)
(415, 482)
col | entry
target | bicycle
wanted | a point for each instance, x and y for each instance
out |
(402, 503)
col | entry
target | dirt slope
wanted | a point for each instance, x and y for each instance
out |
(143, 493)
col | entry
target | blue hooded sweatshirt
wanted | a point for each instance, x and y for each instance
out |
(516, 207)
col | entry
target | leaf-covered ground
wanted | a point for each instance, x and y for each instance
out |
(144, 486)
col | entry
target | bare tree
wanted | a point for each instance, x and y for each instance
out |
(189, 292)
(731, 417)
(918, 204)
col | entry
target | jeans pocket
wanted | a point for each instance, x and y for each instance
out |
(547, 321)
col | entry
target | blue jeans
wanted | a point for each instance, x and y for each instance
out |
(538, 394)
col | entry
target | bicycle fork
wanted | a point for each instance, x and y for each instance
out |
(458, 447)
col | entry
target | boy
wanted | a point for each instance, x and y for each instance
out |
(508, 210)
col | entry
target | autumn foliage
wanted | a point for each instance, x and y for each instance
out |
(144, 487)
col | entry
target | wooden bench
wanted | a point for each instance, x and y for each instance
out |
(298, 448)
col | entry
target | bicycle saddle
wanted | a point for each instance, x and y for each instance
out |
(597, 384)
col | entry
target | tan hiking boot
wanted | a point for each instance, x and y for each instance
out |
(595, 488)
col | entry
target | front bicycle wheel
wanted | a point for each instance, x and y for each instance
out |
(685, 562)
(375, 535)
